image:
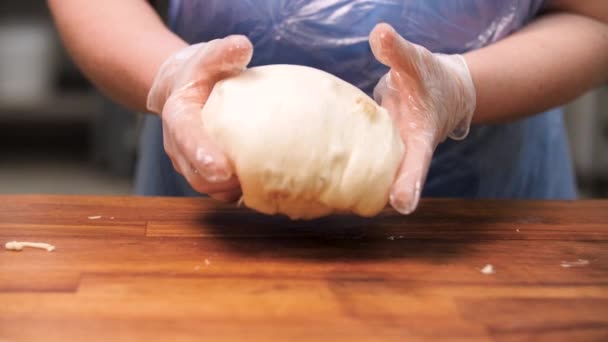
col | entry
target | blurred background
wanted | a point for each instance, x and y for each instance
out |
(59, 135)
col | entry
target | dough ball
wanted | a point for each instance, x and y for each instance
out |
(303, 142)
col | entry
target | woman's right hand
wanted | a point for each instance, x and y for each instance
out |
(179, 92)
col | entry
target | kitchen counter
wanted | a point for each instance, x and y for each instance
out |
(173, 269)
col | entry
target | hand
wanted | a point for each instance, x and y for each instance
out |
(429, 97)
(179, 92)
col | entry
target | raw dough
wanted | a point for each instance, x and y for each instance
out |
(303, 142)
(17, 246)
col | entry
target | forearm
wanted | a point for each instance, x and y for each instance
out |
(119, 44)
(548, 63)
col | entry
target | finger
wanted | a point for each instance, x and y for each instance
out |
(199, 184)
(204, 156)
(228, 196)
(406, 190)
(222, 58)
(184, 121)
(406, 61)
(198, 180)
(392, 50)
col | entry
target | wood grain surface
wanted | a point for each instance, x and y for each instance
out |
(176, 269)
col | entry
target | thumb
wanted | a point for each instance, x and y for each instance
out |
(199, 66)
(406, 190)
(219, 59)
(392, 50)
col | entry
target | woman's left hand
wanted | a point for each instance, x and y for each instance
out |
(429, 96)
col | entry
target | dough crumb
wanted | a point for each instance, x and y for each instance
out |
(391, 238)
(197, 267)
(579, 262)
(517, 230)
(17, 246)
(487, 269)
(207, 262)
(96, 217)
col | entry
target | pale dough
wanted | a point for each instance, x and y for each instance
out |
(304, 143)
(17, 246)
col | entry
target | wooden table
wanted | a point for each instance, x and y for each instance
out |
(174, 269)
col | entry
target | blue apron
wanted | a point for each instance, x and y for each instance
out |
(525, 159)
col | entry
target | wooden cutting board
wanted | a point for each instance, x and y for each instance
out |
(176, 269)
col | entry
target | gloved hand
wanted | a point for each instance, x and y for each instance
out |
(429, 96)
(179, 92)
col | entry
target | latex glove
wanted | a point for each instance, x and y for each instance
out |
(179, 92)
(429, 96)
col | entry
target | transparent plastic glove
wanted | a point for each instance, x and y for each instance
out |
(179, 92)
(430, 97)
